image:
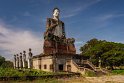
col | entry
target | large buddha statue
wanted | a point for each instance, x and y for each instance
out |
(54, 38)
(54, 26)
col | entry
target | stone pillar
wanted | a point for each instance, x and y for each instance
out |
(17, 61)
(20, 61)
(14, 62)
(24, 59)
(30, 59)
(99, 62)
(54, 63)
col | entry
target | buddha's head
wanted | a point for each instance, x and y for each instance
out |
(56, 12)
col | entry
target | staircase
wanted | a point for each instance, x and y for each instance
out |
(86, 62)
(80, 68)
(86, 65)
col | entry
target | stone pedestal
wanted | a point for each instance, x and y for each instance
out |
(51, 46)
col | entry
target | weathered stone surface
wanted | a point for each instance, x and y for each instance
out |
(57, 47)
(17, 61)
(30, 55)
(20, 61)
(14, 61)
(24, 59)
(71, 49)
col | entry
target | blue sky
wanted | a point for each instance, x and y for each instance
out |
(22, 22)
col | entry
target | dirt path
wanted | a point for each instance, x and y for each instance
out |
(107, 79)
(103, 79)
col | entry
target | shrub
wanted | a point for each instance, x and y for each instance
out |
(8, 72)
(90, 73)
(118, 72)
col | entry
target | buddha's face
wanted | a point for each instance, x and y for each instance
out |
(56, 13)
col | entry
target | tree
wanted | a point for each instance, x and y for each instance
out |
(2, 60)
(110, 53)
(7, 64)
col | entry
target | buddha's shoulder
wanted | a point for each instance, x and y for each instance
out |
(51, 19)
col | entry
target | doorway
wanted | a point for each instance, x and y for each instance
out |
(60, 67)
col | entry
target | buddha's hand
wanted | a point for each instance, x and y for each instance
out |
(57, 23)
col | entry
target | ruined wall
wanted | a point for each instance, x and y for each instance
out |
(48, 62)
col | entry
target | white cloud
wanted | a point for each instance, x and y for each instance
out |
(27, 13)
(15, 41)
(76, 9)
(107, 17)
(103, 20)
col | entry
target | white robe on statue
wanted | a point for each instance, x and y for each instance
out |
(58, 30)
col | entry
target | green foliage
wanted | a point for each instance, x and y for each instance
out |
(121, 72)
(9, 72)
(36, 73)
(90, 74)
(110, 53)
(22, 74)
(7, 64)
(2, 60)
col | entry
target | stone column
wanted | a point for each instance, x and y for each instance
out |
(54, 63)
(20, 61)
(24, 59)
(14, 62)
(30, 59)
(17, 61)
(99, 62)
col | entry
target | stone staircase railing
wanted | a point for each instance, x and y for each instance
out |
(81, 69)
(95, 68)
(76, 65)
(104, 70)
(90, 64)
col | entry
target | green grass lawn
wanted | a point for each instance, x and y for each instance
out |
(31, 75)
(34, 81)
(121, 72)
(7, 72)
